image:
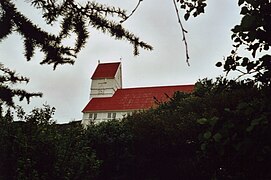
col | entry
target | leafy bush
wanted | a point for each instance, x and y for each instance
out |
(220, 131)
(37, 148)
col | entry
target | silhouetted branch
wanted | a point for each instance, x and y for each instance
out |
(133, 11)
(183, 32)
(74, 19)
(7, 92)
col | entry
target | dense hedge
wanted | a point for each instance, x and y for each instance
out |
(220, 131)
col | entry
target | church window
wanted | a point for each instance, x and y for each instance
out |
(92, 116)
(114, 116)
(111, 115)
(95, 116)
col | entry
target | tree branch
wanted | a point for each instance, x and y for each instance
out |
(133, 11)
(183, 32)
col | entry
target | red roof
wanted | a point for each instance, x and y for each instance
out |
(106, 70)
(134, 98)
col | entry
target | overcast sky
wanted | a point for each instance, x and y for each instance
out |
(67, 88)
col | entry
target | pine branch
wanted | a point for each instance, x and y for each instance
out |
(75, 20)
(50, 44)
(6, 25)
(10, 76)
(7, 93)
(108, 26)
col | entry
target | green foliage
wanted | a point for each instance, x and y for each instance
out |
(112, 142)
(76, 159)
(253, 34)
(236, 136)
(194, 7)
(37, 148)
(165, 139)
(220, 131)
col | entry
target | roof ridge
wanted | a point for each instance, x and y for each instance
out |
(110, 63)
(146, 87)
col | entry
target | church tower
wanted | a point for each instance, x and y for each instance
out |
(106, 79)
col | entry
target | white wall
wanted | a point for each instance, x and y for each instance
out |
(103, 88)
(118, 77)
(102, 116)
(106, 87)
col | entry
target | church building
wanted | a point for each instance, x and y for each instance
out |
(109, 100)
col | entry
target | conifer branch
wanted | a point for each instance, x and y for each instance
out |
(75, 19)
(7, 93)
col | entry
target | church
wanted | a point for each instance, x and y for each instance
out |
(109, 100)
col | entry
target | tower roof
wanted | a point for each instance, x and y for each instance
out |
(106, 70)
(135, 98)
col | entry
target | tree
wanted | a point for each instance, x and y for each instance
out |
(37, 148)
(235, 136)
(112, 143)
(252, 34)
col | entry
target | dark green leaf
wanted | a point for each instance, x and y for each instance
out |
(202, 121)
(250, 66)
(266, 47)
(248, 22)
(186, 16)
(203, 146)
(212, 121)
(207, 135)
(244, 10)
(240, 2)
(218, 64)
(245, 61)
(217, 137)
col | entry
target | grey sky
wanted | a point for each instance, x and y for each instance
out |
(155, 22)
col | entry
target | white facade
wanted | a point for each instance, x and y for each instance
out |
(106, 87)
(98, 117)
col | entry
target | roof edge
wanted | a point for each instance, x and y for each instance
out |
(146, 87)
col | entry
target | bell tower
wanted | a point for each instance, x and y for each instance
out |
(106, 79)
